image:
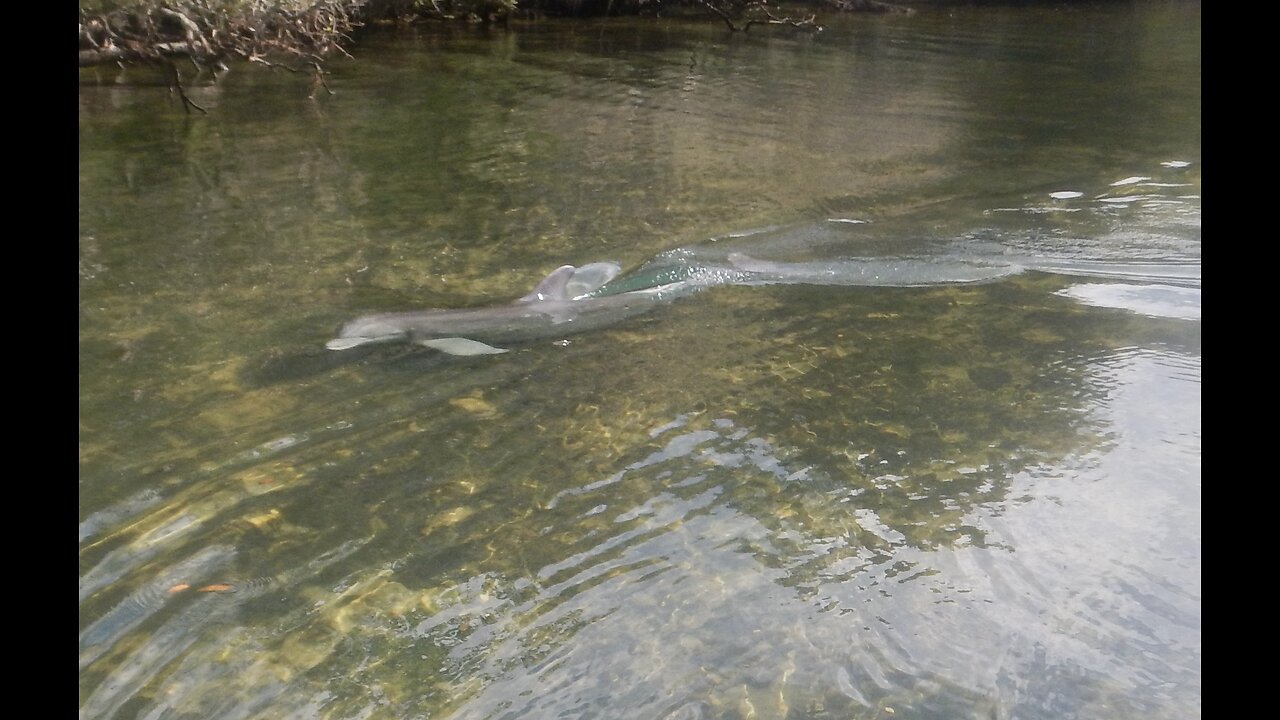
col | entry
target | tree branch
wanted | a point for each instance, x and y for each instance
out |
(176, 79)
(731, 10)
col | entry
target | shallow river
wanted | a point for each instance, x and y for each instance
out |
(919, 438)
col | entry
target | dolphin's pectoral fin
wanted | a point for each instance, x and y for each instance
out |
(346, 343)
(461, 346)
(590, 277)
(552, 286)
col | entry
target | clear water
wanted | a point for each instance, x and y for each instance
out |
(802, 499)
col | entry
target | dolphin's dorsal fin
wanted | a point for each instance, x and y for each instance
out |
(591, 277)
(552, 286)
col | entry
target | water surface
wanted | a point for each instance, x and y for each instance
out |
(957, 497)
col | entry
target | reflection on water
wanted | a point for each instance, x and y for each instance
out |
(814, 489)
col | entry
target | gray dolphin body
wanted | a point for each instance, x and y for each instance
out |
(580, 299)
(560, 305)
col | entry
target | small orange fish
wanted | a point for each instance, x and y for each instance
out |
(216, 587)
(178, 588)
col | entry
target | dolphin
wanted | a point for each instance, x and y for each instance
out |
(562, 304)
(580, 299)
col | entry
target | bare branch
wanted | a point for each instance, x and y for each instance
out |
(175, 79)
(716, 10)
(754, 12)
(318, 81)
(809, 23)
(190, 29)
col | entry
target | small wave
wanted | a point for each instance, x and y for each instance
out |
(169, 583)
(1166, 301)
